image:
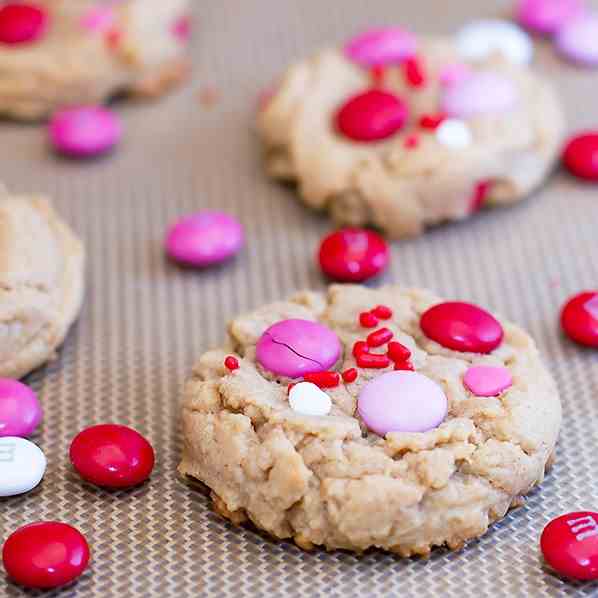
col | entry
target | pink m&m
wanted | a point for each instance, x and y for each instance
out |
(546, 16)
(402, 401)
(112, 456)
(297, 347)
(204, 238)
(485, 92)
(577, 40)
(569, 544)
(85, 131)
(22, 23)
(353, 255)
(383, 46)
(462, 327)
(45, 555)
(20, 411)
(487, 380)
(581, 155)
(373, 115)
(579, 318)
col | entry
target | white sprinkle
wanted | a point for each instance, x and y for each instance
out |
(477, 41)
(306, 398)
(454, 133)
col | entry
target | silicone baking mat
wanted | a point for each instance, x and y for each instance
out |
(145, 321)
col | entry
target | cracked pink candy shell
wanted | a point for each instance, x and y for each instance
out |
(387, 45)
(297, 347)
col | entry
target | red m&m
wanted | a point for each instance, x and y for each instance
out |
(372, 116)
(112, 456)
(353, 255)
(570, 544)
(579, 318)
(581, 156)
(21, 23)
(45, 555)
(462, 327)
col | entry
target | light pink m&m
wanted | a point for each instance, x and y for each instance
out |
(22, 23)
(85, 131)
(462, 327)
(99, 19)
(204, 239)
(20, 411)
(578, 40)
(487, 380)
(402, 401)
(297, 347)
(486, 92)
(546, 16)
(569, 544)
(383, 46)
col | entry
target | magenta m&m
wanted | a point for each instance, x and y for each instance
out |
(579, 318)
(547, 16)
(297, 347)
(379, 47)
(487, 380)
(353, 255)
(569, 544)
(112, 456)
(84, 131)
(580, 156)
(462, 327)
(45, 555)
(402, 401)
(20, 411)
(373, 115)
(22, 23)
(204, 239)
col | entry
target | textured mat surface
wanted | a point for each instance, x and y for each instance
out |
(145, 321)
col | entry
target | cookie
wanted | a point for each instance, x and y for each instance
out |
(402, 133)
(416, 426)
(55, 53)
(41, 283)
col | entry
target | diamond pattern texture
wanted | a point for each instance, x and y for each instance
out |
(146, 321)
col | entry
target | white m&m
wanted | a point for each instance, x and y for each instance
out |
(22, 465)
(306, 398)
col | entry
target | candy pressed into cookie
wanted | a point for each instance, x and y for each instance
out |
(370, 418)
(402, 132)
(56, 53)
(41, 283)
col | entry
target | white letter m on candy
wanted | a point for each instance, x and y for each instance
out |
(588, 523)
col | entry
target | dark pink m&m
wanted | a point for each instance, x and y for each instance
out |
(353, 255)
(45, 555)
(579, 318)
(371, 116)
(462, 327)
(569, 544)
(112, 456)
(21, 23)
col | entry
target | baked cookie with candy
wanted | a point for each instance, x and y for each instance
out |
(401, 132)
(55, 53)
(41, 283)
(366, 418)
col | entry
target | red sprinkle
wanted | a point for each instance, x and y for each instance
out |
(414, 73)
(411, 142)
(379, 337)
(369, 360)
(479, 196)
(404, 365)
(383, 312)
(431, 121)
(290, 386)
(368, 319)
(377, 73)
(231, 363)
(398, 352)
(360, 347)
(350, 375)
(113, 38)
(323, 379)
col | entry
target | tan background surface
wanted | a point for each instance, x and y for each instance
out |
(145, 321)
